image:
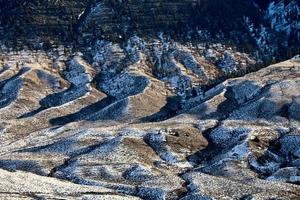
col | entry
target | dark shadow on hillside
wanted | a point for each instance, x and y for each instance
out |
(58, 99)
(215, 149)
(170, 110)
(22, 165)
(4, 68)
(14, 77)
(9, 88)
(65, 146)
(83, 113)
(237, 95)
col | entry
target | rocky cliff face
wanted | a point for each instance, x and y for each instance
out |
(284, 17)
(24, 22)
(81, 22)
(149, 100)
(175, 18)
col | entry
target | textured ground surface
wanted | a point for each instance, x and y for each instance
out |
(66, 136)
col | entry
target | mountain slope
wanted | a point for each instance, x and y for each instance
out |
(242, 129)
